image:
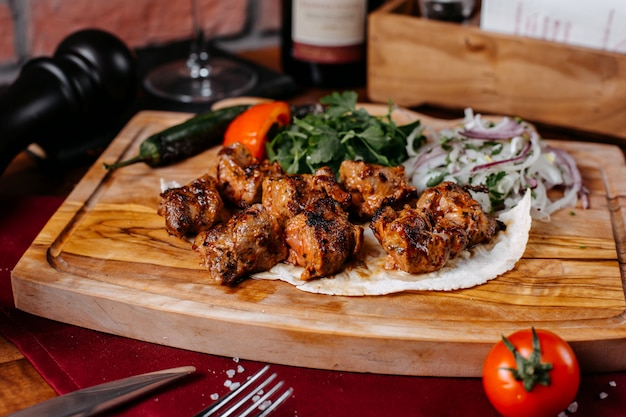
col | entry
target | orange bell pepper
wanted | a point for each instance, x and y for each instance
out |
(252, 126)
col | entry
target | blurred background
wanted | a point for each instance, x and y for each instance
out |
(31, 28)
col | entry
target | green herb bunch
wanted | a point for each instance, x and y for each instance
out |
(341, 132)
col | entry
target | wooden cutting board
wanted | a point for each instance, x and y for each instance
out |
(105, 262)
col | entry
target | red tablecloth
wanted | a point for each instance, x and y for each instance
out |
(70, 358)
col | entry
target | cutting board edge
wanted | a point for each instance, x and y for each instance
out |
(33, 271)
(340, 353)
(379, 355)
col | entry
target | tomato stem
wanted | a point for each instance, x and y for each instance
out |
(529, 370)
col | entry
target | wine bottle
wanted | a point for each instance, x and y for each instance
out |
(447, 10)
(324, 41)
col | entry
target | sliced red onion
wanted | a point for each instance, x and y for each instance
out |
(506, 129)
(428, 155)
(571, 166)
(505, 161)
(522, 167)
(532, 182)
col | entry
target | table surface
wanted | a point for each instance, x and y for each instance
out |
(20, 383)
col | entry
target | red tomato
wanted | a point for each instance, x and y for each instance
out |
(251, 127)
(543, 362)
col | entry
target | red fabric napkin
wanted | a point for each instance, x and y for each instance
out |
(70, 358)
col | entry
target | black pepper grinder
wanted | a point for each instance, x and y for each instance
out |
(89, 82)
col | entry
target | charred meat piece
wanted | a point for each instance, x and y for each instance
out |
(373, 186)
(321, 239)
(251, 241)
(286, 196)
(452, 206)
(409, 238)
(445, 222)
(324, 181)
(241, 175)
(192, 208)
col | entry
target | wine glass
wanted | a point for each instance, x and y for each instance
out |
(201, 77)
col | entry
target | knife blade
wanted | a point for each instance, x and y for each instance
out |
(92, 400)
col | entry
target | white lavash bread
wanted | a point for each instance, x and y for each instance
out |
(472, 267)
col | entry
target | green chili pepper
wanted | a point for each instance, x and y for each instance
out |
(185, 139)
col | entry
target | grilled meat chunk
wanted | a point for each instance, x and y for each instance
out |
(241, 175)
(373, 186)
(410, 240)
(324, 181)
(192, 208)
(286, 196)
(445, 221)
(451, 205)
(321, 239)
(251, 241)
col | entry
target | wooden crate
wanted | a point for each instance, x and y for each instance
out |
(415, 61)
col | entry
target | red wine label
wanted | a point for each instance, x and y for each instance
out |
(328, 31)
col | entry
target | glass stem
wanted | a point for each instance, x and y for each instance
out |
(198, 61)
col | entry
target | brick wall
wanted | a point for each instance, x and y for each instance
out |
(30, 28)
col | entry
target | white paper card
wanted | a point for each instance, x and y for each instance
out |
(597, 24)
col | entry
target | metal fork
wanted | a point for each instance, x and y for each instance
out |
(266, 402)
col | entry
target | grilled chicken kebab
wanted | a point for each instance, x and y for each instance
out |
(315, 220)
(445, 221)
(251, 241)
(193, 208)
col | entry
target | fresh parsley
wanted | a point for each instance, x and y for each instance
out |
(497, 198)
(340, 132)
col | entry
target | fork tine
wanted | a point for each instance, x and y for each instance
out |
(251, 394)
(216, 406)
(225, 400)
(276, 403)
(261, 400)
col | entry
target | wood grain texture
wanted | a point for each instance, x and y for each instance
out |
(21, 386)
(104, 261)
(415, 61)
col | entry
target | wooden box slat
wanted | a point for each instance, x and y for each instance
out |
(415, 61)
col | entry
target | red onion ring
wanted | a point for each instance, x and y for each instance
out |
(506, 129)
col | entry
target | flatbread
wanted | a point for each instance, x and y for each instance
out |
(470, 268)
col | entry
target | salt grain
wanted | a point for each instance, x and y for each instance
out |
(573, 407)
(603, 395)
(562, 414)
(265, 404)
(240, 369)
(228, 383)
(234, 386)
(215, 396)
(613, 383)
(230, 373)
